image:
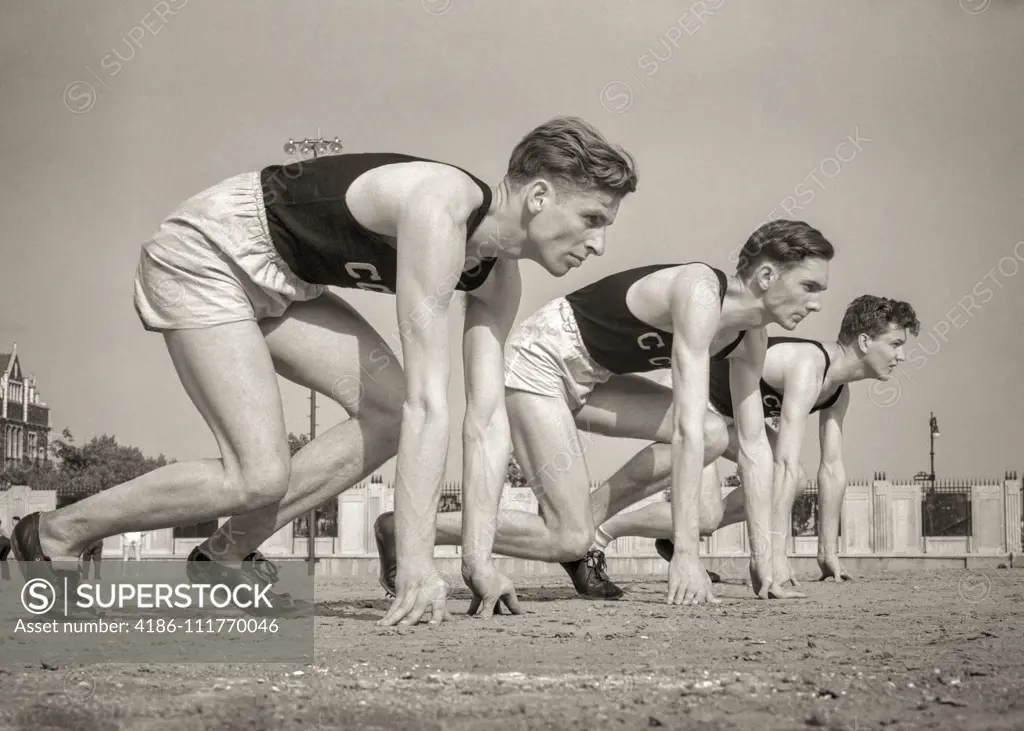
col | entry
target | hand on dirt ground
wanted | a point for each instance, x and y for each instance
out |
(490, 588)
(831, 568)
(782, 574)
(688, 582)
(761, 577)
(418, 589)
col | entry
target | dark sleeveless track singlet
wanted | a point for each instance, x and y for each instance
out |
(316, 235)
(721, 392)
(615, 338)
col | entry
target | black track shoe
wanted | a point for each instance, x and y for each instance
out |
(589, 577)
(259, 568)
(35, 564)
(384, 535)
(201, 569)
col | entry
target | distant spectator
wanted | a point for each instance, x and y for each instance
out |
(93, 554)
(131, 542)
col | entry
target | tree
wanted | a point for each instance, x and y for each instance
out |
(805, 514)
(327, 513)
(43, 476)
(514, 476)
(295, 443)
(101, 462)
(96, 465)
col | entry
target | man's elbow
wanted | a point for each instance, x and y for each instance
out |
(788, 469)
(426, 410)
(485, 422)
(689, 433)
(754, 445)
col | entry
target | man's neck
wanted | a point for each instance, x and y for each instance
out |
(846, 366)
(742, 308)
(500, 233)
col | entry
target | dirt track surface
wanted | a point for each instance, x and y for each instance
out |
(938, 650)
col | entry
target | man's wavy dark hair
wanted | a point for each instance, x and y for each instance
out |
(576, 155)
(783, 243)
(873, 316)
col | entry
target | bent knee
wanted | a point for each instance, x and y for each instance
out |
(261, 484)
(379, 408)
(711, 519)
(384, 420)
(716, 437)
(571, 545)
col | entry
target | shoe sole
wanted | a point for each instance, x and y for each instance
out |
(15, 547)
(20, 558)
(588, 597)
(381, 578)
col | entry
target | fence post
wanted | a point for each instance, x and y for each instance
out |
(1012, 512)
(882, 523)
(873, 525)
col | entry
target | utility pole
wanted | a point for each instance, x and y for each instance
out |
(312, 146)
(311, 516)
(933, 433)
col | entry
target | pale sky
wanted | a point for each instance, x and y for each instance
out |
(732, 117)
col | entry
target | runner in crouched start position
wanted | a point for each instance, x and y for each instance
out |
(236, 281)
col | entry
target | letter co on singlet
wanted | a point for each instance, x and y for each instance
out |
(356, 270)
(771, 404)
(654, 341)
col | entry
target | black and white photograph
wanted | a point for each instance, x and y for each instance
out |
(452, 365)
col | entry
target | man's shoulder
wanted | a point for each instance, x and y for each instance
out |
(424, 185)
(796, 356)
